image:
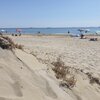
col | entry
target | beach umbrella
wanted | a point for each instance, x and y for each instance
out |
(18, 30)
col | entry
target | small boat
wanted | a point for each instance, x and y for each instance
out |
(3, 30)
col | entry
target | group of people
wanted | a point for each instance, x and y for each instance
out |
(81, 35)
(16, 34)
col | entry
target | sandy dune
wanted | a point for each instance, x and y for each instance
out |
(27, 75)
(22, 79)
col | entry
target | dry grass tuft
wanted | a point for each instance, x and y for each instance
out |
(64, 73)
(59, 69)
(7, 43)
(93, 79)
(19, 46)
(69, 83)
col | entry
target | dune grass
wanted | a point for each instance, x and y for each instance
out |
(7, 43)
(63, 72)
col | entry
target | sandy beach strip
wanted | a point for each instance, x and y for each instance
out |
(28, 73)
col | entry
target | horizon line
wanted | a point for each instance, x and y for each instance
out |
(55, 27)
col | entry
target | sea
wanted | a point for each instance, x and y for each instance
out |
(49, 30)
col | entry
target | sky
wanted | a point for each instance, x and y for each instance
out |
(49, 13)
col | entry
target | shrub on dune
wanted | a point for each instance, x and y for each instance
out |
(7, 43)
(63, 72)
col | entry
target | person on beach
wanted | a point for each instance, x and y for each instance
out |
(81, 36)
(68, 31)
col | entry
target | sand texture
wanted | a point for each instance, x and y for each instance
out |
(27, 74)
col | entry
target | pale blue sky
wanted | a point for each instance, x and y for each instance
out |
(49, 13)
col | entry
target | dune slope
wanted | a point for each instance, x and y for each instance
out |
(22, 77)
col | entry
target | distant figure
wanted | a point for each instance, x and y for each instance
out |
(15, 34)
(20, 34)
(82, 36)
(12, 34)
(38, 32)
(93, 39)
(0, 33)
(68, 32)
(96, 33)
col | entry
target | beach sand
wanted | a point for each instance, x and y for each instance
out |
(28, 74)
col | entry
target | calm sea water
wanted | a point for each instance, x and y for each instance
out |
(73, 30)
